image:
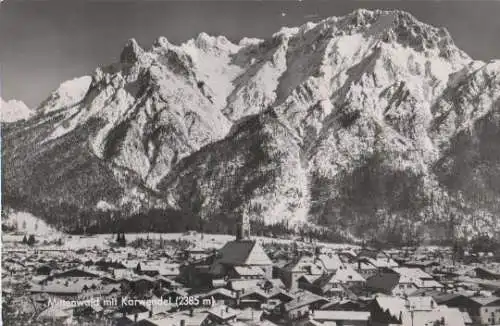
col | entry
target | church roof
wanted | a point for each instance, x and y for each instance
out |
(243, 252)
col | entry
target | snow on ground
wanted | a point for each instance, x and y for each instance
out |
(27, 223)
(67, 95)
(74, 242)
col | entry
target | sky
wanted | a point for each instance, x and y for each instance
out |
(45, 42)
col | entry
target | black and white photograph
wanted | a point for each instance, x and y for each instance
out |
(250, 162)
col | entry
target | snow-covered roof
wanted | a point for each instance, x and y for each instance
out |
(333, 315)
(240, 253)
(396, 306)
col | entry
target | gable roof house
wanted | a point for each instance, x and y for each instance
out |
(222, 314)
(387, 310)
(299, 267)
(364, 268)
(425, 265)
(301, 306)
(330, 262)
(486, 310)
(184, 317)
(402, 281)
(333, 284)
(354, 318)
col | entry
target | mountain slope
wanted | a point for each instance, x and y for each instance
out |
(371, 121)
(255, 171)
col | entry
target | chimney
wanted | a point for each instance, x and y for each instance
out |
(183, 322)
(136, 316)
(191, 312)
(227, 309)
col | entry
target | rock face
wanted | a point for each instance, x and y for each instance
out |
(369, 123)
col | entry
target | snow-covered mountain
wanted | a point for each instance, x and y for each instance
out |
(14, 110)
(369, 122)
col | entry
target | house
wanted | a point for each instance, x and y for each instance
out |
(76, 272)
(170, 270)
(140, 284)
(330, 262)
(391, 283)
(55, 314)
(182, 318)
(416, 311)
(352, 318)
(485, 273)
(364, 268)
(222, 314)
(379, 259)
(67, 287)
(281, 295)
(250, 316)
(387, 310)
(347, 276)
(221, 296)
(402, 281)
(245, 284)
(301, 305)
(197, 273)
(324, 285)
(334, 284)
(312, 322)
(172, 295)
(441, 315)
(134, 313)
(301, 266)
(427, 265)
(167, 283)
(486, 310)
(420, 303)
(245, 272)
(253, 299)
(198, 253)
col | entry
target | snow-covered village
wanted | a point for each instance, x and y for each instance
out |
(245, 163)
(204, 279)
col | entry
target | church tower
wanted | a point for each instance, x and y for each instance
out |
(243, 228)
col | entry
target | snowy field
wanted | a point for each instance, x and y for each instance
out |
(200, 241)
(28, 224)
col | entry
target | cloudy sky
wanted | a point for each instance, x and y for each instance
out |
(44, 42)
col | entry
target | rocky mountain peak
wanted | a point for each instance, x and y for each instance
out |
(161, 42)
(131, 52)
(366, 122)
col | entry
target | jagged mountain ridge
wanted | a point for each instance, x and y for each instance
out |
(358, 121)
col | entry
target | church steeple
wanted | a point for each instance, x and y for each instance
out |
(243, 228)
